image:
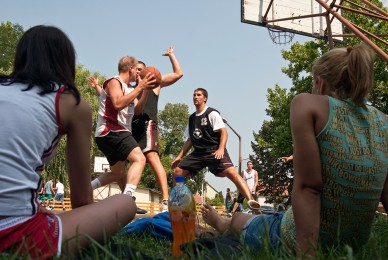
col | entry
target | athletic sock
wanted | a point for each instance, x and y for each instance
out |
(96, 184)
(130, 189)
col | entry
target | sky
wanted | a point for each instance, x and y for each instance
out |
(234, 61)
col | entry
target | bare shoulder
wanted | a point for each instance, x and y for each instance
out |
(310, 108)
(309, 99)
(309, 103)
(71, 112)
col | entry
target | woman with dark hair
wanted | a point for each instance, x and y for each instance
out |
(340, 162)
(40, 103)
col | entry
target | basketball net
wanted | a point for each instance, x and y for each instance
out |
(280, 37)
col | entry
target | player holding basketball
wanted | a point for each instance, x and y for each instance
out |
(118, 103)
(145, 126)
(206, 132)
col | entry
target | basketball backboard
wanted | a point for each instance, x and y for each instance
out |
(320, 19)
(101, 165)
(305, 17)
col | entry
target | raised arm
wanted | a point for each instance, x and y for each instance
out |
(171, 78)
(307, 189)
(93, 82)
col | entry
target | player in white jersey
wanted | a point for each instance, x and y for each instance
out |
(118, 104)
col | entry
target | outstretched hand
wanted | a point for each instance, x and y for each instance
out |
(175, 163)
(170, 50)
(93, 82)
(287, 159)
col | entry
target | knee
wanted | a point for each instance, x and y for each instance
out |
(235, 224)
(152, 157)
(125, 202)
(140, 159)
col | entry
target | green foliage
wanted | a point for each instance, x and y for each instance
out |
(9, 37)
(172, 124)
(218, 200)
(194, 183)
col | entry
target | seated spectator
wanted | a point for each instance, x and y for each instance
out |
(40, 96)
(340, 162)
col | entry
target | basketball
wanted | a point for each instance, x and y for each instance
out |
(154, 71)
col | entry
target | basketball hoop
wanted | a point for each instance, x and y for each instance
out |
(280, 37)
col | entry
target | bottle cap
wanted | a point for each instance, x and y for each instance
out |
(179, 178)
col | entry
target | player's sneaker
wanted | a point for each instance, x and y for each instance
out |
(164, 206)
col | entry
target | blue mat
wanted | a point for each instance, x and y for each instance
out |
(158, 226)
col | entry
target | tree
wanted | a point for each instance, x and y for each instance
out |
(172, 124)
(9, 37)
(218, 200)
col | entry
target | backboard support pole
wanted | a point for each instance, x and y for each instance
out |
(354, 30)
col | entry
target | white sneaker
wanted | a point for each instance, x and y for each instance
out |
(164, 206)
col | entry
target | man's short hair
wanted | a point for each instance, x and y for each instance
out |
(204, 92)
(126, 62)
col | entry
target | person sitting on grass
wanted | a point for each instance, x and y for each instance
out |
(40, 96)
(340, 162)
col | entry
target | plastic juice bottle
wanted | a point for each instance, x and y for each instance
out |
(182, 212)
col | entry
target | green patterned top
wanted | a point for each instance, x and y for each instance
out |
(354, 157)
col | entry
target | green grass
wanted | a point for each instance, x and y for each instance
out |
(147, 247)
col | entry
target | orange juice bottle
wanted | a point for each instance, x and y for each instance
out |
(182, 212)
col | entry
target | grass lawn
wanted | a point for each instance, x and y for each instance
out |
(147, 247)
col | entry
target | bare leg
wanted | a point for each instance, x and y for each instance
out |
(122, 182)
(160, 174)
(97, 220)
(236, 178)
(212, 218)
(138, 162)
(117, 172)
(235, 206)
(238, 222)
